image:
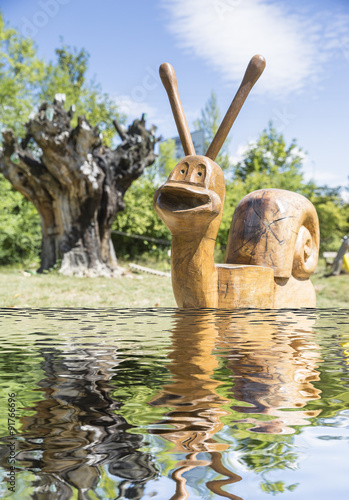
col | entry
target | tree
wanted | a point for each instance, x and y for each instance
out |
(58, 160)
(209, 122)
(333, 212)
(20, 72)
(68, 75)
(268, 162)
(26, 81)
(77, 184)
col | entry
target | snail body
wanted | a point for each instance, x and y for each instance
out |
(273, 242)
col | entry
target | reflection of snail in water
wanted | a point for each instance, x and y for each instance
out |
(269, 363)
(273, 360)
(196, 407)
(274, 238)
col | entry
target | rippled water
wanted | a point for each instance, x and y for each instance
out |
(166, 404)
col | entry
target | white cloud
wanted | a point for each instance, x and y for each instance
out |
(132, 108)
(227, 33)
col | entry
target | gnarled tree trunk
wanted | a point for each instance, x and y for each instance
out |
(77, 185)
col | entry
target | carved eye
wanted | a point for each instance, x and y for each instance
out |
(198, 173)
(179, 173)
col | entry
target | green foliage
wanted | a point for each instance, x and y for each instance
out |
(209, 122)
(20, 230)
(277, 487)
(333, 214)
(20, 72)
(26, 81)
(139, 218)
(268, 162)
(166, 160)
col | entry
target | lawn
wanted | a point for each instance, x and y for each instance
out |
(21, 289)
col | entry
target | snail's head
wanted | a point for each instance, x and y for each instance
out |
(192, 198)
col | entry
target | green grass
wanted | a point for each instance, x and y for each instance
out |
(332, 291)
(20, 289)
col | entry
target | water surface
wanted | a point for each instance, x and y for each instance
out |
(169, 404)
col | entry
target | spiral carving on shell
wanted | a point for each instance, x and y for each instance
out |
(278, 229)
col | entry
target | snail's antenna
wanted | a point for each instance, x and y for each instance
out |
(169, 80)
(254, 70)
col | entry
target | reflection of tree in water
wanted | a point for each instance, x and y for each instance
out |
(75, 430)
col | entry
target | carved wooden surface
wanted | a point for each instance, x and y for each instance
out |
(275, 228)
(191, 205)
(279, 230)
(245, 286)
(273, 242)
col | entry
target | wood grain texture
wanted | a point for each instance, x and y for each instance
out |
(293, 293)
(253, 72)
(191, 205)
(169, 80)
(245, 286)
(272, 247)
(277, 229)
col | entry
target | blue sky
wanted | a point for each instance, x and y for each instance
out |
(304, 88)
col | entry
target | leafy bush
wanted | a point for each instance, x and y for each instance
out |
(20, 230)
(139, 218)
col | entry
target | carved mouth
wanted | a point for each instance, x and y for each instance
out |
(176, 198)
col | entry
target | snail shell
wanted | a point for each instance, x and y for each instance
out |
(278, 229)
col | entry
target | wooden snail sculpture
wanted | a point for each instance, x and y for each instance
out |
(273, 241)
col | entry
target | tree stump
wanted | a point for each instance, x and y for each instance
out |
(76, 183)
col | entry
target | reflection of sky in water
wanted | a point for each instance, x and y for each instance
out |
(165, 403)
